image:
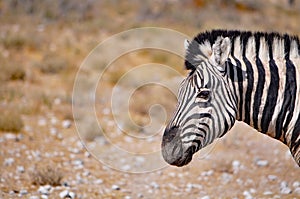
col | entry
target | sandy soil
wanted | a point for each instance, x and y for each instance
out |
(243, 164)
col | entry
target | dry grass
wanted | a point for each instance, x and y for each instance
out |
(10, 120)
(52, 64)
(12, 71)
(46, 175)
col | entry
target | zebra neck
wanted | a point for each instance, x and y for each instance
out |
(267, 89)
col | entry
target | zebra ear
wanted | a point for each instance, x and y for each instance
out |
(220, 52)
(186, 44)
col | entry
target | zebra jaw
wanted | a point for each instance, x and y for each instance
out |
(174, 151)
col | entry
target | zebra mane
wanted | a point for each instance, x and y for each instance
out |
(209, 38)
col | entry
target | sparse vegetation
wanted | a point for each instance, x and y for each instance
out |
(11, 121)
(12, 71)
(52, 64)
(46, 175)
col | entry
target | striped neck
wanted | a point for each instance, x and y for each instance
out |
(264, 79)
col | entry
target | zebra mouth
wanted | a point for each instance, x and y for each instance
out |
(173, 150)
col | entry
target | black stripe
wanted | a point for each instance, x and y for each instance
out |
(260, 83)
(271, 98)
(250, 78)
(289, 100)
(293, 92)
(193, 133)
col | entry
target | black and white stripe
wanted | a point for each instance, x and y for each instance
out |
(251, 77)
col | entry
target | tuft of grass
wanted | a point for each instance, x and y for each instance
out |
(10, 120)
(52, 64)
(11, 72)
(46, 175)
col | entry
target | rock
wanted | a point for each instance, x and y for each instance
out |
(53, 131)
(66, 124)
(272, 177)
(262, 163)
(57, 101)
(296, 184)
(247, 195)
(226, 177)
(34, 197)
(115, 187)
(8, 161)
(44, 196)
(98, 181)
(284, 189)
(236, 164)
(45, 190)
(77, 162)
(127, 197)
(67, 194)
(20, 169)
(126, 167)
(23, 192)
(42, 122)
(268, 193)
(297, 190)
(154, 185)
(205, 197)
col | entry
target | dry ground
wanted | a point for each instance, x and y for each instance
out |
(42, 45)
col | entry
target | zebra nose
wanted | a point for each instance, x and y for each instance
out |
(171, 145)
(170, 134)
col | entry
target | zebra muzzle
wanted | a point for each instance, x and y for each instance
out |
(173, 150)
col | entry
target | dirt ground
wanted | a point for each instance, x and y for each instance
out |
(43, 150)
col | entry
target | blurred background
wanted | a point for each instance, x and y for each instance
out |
(42, 45)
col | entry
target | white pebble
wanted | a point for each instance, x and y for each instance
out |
(154, 185)
(42, 122)
(268, 193)
(71, 195)
(8, 161)
(57, 101)
(262, 163)
(64, 194)
(236, 164)
(296, 184)
(247, 195)
(205, 197)
(53, 131)
(77, 162)
(127, 197)
(115, 187)
(126, 167)
(23, 192)
(34, 197)
(98, 181)
(10, 136)
(226, 177)
(45, 190)
(20, 169)
(272, 177)
(44, 196)
(286, 190)
(297, 190)
(66, 124)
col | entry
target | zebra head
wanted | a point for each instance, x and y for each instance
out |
(205, 110)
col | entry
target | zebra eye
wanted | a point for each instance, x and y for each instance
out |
(203, 94)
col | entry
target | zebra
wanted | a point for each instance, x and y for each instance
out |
(252, 77)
